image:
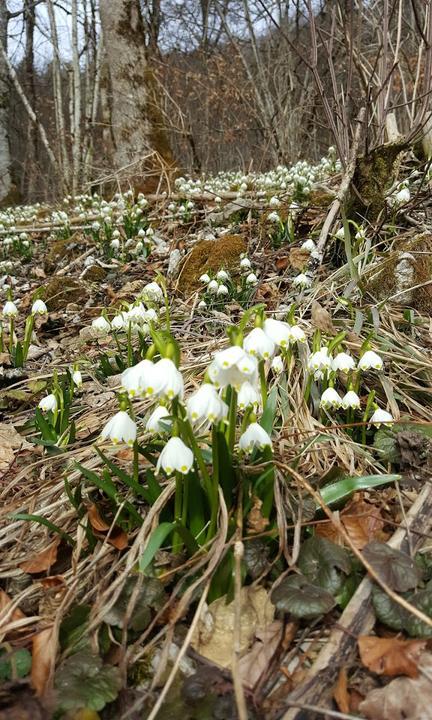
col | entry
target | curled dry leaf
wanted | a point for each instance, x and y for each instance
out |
(43, 663)
(362, 521)
(10, 440)
(390, 656)
(340, 693)
(42, 560)
(95, 519)
(5, 602)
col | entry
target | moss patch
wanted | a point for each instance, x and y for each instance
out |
(211, 255)
(374, 174)
(61, 291)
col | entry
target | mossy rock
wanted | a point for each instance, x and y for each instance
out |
(62, 252)
(60, 291)
(95, 273)
(373, 176)
(213, 255)
(408, 265)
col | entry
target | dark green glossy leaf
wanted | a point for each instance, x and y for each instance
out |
(14, 665)
(83, 682)
(413, 625)
(387, 611)
(151, 596)
(297, 596)
(321, 562)
(396, 568)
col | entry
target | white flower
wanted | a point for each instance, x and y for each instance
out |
(153, 424)
(277, 365)
(381, 416)
(205, 278)
(206, 405)
(302, 280)
(222, 290)
(370, 360)
(202, 304)
(274, 201)
(330, 399)
(245, 263)
(308, 245)
(169, 380)
(175, 456)
(233, 366)
(101, 324)
(140, 379)
(273, 217)
(222, 275)
(248, 396)
(39, 308)
(115, 243)
(340, 234)
(121, 428)
(351, 400)
(296, 334)
(229, 357)
(320, 360)
(251, 279)
(153, 292)
(10, 310)
(278, 331)
(77, 378)
(213, 286)
(259, 344)
(48, 403)
(119, 322)
(343, 362)
(254, 437)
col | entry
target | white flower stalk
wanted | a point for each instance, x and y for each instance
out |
(153, 424)
(175, 456)
(370, 360)
(351, 401)
(254, 437)
(121, 428)
(343, 362)
(222, 290)
(101, 325)
(169, 380)
(48, 403)
(205, 278)
(10, 310)
(320, 361)
(381, 416)
(296, 334)
(278, 331)
(213, 286)
(153, 292)
(251, 279)
(77, 378)
(233, 366)
(245, 263)
(259, 344)
(222, 275)
(205, 405)
(248, 396)
(330, 399)
(302, 281)
(39, 308)
(277, 365)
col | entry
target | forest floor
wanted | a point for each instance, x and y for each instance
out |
(286, 574)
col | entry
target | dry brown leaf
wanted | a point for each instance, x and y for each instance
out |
(298, 258)
(5, 601)
(53, 581)
(256, 522)
(42, 560)
(10, 440)
(390, 656)
(321, 319)
(340, 693)
(402, 699)
(361, 520)
(282, 262)
(43, 660)
(252, 665)
(95, 519)
(118, 539)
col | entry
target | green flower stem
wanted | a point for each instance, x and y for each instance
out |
(27, 336)
(263, 384)
(135, 462)
(11, 334)
(129, 345)
(198, 456)
(232, 415)
(178, 502)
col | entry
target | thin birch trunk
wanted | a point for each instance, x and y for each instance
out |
(76, 82)
(58, 95)
(5, 156)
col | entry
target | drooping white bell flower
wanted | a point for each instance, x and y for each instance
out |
(39, 308)
(175, 456)
(302, 280)
(101, 325)
(278, 331)
(121, 428)
(308, 245)
(369, 360)
(10, 310)
(222, 290)
(48, 403)
(77, 378)
(320, 360)
(222, 275)
(381, 416)
(213, 286)
(153, 424)
(153, 292)
(169, 380)
(248, 396)
(205, 405)
(251, 279)
(120, 321)
(140, 380)
(296, 334)
(258, 343)
(254, 437)
(277, 365)
(245, 263)
(205, 278)
(202, 305)
(233, 366)
(351, 400)
(330, 399)
(343, 362)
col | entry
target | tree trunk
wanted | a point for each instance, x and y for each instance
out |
(5, 157)
(140, 139)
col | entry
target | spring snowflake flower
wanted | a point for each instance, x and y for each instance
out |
(381, 416)
(205, 278)
(140, 379)
(77, 378)
(121, 321)
(302, 280)
(248, 396)
(202, 304)
(153, 424)
(320, 360)
(254, 437)
(259, 344)
(121, 428)
(233, 366)
(278, 331)
(277, 365)
(213, 286)
(205, 405)
(245, 263)
(222, 290)
(273, 217)
(296, 334)
(330, 399)
(222, 275)
(48, 403)
(369, 360)
(10, 310)
(175, 456)
(169, 380)
(153, 292)
(251, 279)
(308, 245)
(115, 244)
(351, 400)
(343, 362)
(101, 324)
(39, 308)
(340, 234)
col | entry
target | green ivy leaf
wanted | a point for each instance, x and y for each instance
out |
(385, 443)
(394, 567)
(415, 627)
(150, 597)
(256, 557)
(83, 682)
(320, 561)
(16, 664)
(387, 610)
(296, 595)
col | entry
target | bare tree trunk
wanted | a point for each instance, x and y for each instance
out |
(5, 157)
(30, 174)
(76, 86)
(136, 117)
(58, 96)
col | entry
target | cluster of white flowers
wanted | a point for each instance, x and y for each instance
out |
(223, 286)
(137, 317)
